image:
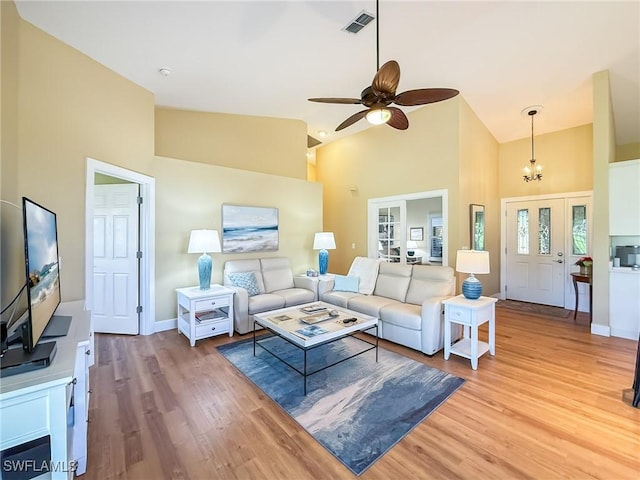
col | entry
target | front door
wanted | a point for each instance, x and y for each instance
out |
(535, 251)
(115, 259)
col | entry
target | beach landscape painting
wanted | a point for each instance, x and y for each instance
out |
(249, 229)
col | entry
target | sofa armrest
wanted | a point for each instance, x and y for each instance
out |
(241, 321)
(324, 286)
(433, 324)
(308, 283)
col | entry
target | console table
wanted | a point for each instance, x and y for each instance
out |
(52, 401)
(578, 277)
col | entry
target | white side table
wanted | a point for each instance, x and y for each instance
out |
(205, 313)
(470, 314)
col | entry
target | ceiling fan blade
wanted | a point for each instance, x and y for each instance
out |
(351, 120)
(398, 119)
(386, 80)
(349, 101)
(423, 96)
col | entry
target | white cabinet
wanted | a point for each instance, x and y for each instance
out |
(624, 198)
(624, 303)
(53, 401)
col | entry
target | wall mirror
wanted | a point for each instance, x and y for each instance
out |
(477, 226)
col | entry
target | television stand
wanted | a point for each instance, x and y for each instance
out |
(18, 360)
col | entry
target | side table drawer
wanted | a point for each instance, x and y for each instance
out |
(202, 305)
(459, 314)
(212, 328)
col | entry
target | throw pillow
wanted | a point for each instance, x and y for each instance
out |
(246, 280)
(344, 283)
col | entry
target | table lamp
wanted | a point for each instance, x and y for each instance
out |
(411, 246)
(203, 241)
(472, 262)
(323, 241)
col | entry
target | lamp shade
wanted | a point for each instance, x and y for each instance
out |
(203, 241)
(324, 241)
(412, 244)
(472, 261)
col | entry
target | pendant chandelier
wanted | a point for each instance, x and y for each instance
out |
(532, 171)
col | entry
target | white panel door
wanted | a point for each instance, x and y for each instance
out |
(535, 251)
(115, 260)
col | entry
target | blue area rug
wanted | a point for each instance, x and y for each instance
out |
(358, 409)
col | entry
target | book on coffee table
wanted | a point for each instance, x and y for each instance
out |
(313, 309)
(311, 331)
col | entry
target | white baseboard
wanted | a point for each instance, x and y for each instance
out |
(164, 325)
(602, 330)
(618, 332)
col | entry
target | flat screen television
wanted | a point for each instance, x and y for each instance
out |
(42, 284)
(42, 269)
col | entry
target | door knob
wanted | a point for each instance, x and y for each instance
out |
(558, 261)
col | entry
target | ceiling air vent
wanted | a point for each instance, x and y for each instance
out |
(358, 23)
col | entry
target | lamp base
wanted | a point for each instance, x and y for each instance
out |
(205, 265)
(472, 288)
(323, 261)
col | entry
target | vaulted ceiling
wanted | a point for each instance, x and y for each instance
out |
(267, 58)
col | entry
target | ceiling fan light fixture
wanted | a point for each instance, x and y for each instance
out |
(378, 116)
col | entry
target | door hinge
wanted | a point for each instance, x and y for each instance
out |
(139, 309)
(138, 255)
(139, 200)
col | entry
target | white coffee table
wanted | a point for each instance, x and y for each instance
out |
(286, 323)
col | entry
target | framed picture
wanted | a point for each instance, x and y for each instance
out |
(249, 229)
(416, 233)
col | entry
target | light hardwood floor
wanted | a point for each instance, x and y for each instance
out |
(548, 406)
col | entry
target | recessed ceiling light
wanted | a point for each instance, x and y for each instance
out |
(322, 133)
(165, 72)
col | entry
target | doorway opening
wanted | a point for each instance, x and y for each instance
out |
(410, 228)
(542, 237)
(146, 228)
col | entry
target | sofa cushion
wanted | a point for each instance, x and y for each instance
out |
(276, 272)
(430, 281)
(234, 266)
(341, 299)
(295, 296)
(264, 302)
(246, 280)
(369, 304)
(393, 281)
(403, 315)
(366, 269)
(346, 283)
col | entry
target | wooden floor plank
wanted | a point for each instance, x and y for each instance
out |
(548, 405)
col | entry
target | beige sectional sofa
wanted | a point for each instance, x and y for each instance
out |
(406, 298)
(264, 284)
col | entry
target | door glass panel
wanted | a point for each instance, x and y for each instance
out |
(523, 231)
(579, 230)
(544, 231)
(436, 238)
(388, 229)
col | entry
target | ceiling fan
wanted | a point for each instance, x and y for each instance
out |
(382, 93)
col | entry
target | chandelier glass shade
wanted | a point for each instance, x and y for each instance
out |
(532, 172)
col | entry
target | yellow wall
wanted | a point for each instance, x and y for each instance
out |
(11, 263)
(630, 151)
(69, 107)
(566, 157)
(603, 153)
(259, 144)
(381, 162)
(192, 198)
(478, 183)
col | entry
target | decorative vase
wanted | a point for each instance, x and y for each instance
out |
(585, 270)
